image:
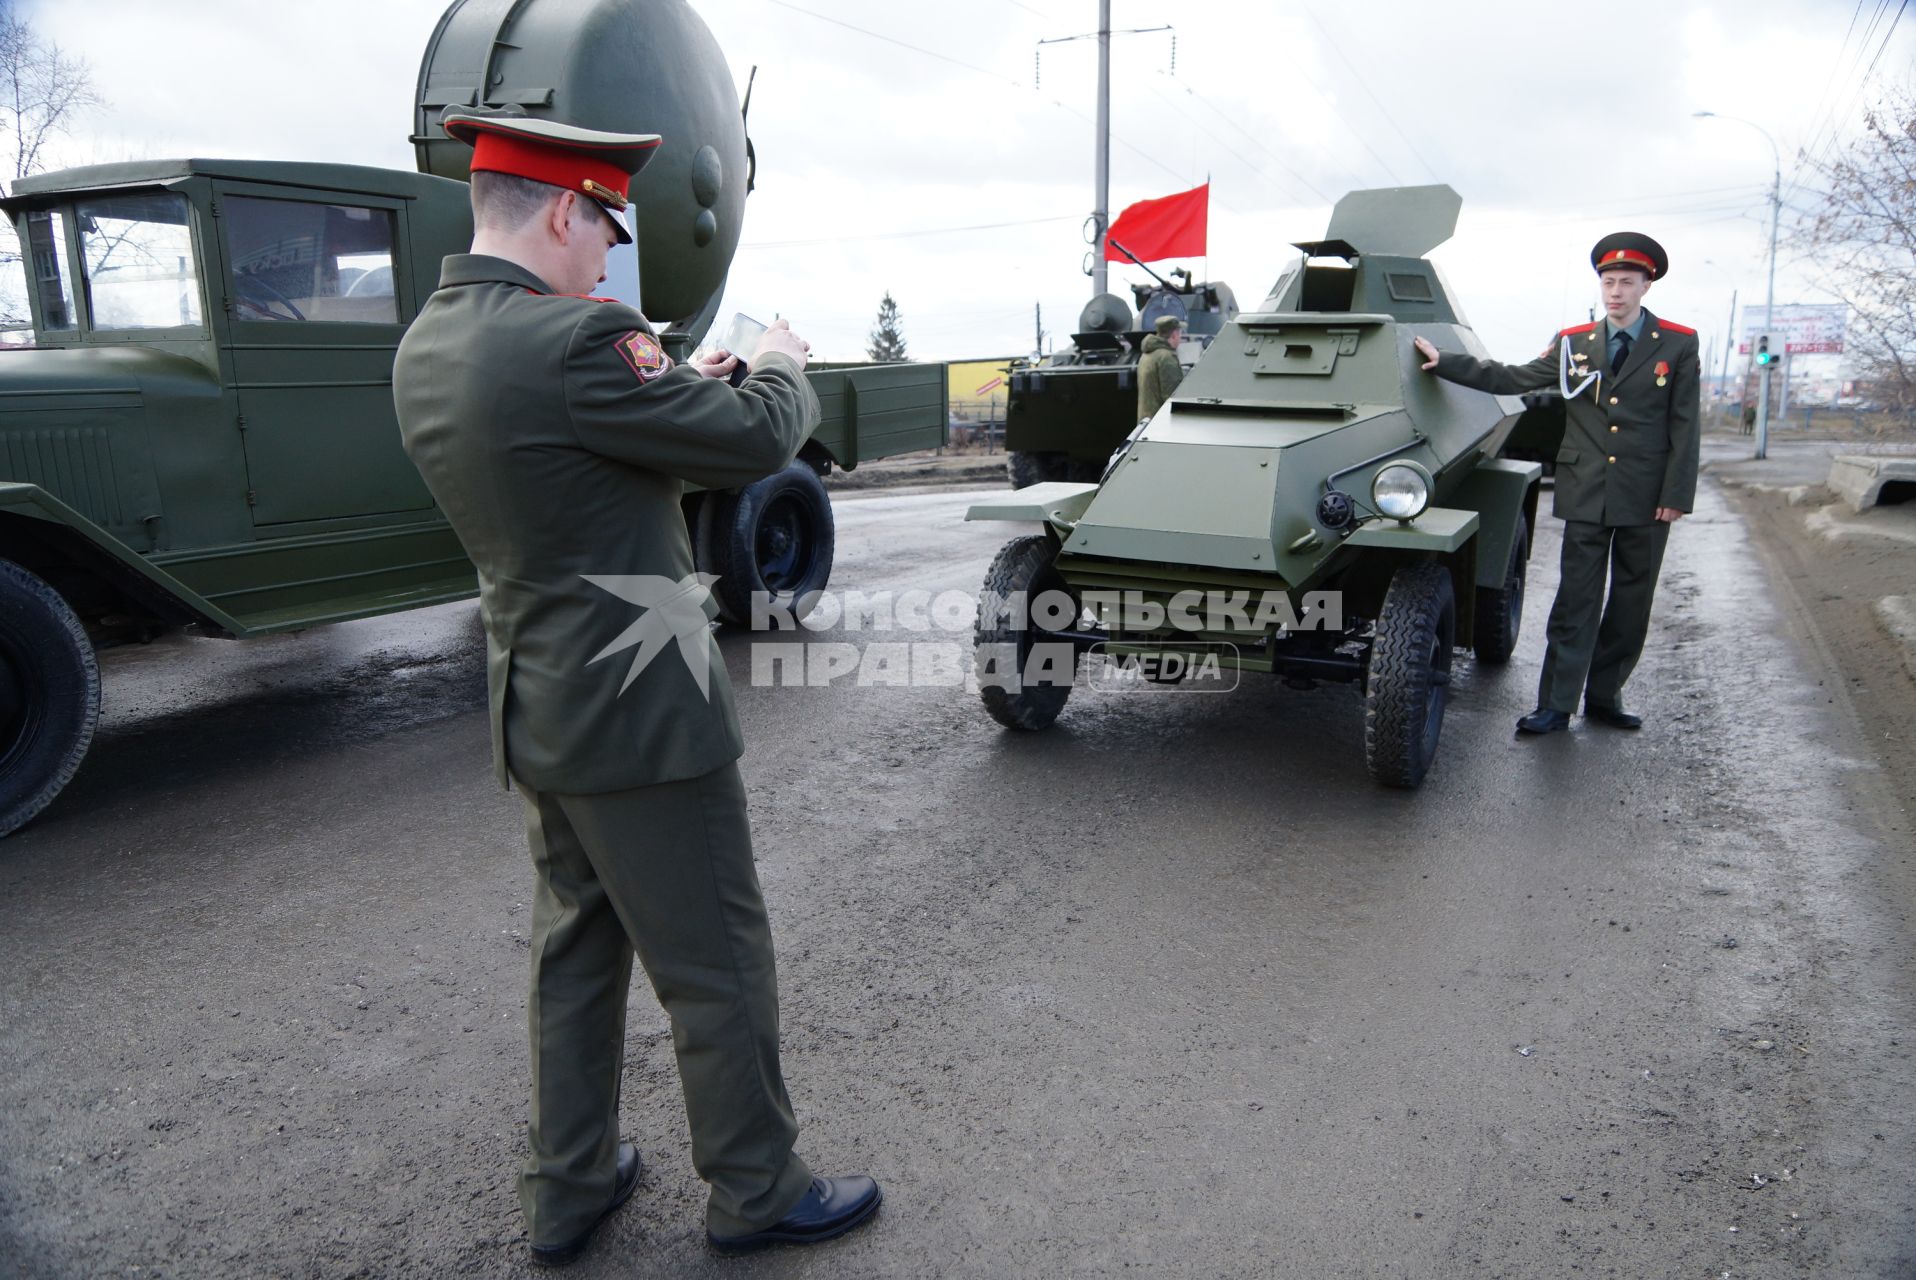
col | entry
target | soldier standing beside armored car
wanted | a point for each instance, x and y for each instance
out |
(1626, 473)
(557, 436)
(1159, 371)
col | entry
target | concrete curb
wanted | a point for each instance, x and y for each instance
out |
(1859, 479)
(950, 470)
(1824, 523)
(1897, 614)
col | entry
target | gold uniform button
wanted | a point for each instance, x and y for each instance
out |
(1613, 457)
(1613, 400)
(1613, 428)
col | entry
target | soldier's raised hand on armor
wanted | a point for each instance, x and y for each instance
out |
(1427, 351)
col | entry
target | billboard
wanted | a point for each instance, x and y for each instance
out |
(1808, 328)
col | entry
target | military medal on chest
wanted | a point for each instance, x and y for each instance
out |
(1663, 372)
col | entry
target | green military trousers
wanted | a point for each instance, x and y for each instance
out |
(1594, 644)
(665, 870)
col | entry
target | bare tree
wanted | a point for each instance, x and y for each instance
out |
(42, 88)
(1861, 234)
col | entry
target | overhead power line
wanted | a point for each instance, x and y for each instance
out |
(929, 53)
(983, 71)
(1365, 86)
(905, 235)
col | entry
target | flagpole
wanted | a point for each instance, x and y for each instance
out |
(1102, 213)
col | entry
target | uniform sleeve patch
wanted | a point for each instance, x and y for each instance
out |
(640, 351)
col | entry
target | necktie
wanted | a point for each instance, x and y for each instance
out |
(1623, 353)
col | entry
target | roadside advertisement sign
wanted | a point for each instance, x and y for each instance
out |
(1808, 328)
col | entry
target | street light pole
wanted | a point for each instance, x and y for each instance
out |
(1769, 301)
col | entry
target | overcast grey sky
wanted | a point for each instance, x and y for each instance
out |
(1556, 123)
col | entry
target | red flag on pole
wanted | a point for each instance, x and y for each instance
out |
(1168, 227)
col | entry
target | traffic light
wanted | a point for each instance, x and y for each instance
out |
(1763, 356)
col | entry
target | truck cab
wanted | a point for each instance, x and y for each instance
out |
(210, 393)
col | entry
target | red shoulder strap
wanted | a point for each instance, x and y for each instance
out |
(1576, 328)
(1674, 327)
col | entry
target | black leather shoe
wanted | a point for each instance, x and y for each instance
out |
(1544, 720)
(564, 1255)
(831, 1208)
(1615, 717)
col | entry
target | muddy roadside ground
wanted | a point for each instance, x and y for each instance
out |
(1830, 569)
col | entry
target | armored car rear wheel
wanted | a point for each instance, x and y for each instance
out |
(1023, 677)
(774, 538)
(1500, 611)
(1409, 677)
(1028, 467)
(49, 695)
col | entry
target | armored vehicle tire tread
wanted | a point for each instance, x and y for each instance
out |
(1408, 682)
(1500, 611)
(49, 695)
(1023, 568)
(1024, 467)
(776, 536)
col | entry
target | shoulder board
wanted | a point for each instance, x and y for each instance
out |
(1674, 327)
(1577, 328)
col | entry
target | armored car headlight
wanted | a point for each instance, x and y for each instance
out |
(1401, 490)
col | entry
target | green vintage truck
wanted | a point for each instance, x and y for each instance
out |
(202, 435)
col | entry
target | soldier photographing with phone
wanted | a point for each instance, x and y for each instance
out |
(558, 437)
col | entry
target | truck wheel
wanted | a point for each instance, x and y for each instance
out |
(49, 695)
(773, 536)
(1500, 612)
(1409, 678)
(1024, 570)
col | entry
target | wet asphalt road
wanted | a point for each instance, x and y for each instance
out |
(1171, 989)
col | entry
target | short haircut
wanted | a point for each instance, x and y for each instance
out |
(506, 201)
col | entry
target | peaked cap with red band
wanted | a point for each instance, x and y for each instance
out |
(590, 162)
(1631, 249)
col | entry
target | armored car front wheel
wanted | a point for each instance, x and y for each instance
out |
(49, 695)
(1408, 682)
(1024, 671)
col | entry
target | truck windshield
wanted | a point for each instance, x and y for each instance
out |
(138, 255)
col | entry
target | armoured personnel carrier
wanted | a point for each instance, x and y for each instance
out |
(203, 436)
(1309, 504)
(1066, 413)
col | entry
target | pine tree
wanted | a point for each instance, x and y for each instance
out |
(888, 338)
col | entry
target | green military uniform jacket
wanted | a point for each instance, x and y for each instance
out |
(557, 437)
(1630, 442)
(1158, 375)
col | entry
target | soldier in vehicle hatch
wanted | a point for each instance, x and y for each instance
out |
(1626, 473)
(1159, 371)
(557, 436)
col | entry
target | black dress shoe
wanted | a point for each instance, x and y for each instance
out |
(1544, 720)
(1615, 717)
(564, 1255)
(832, 1207)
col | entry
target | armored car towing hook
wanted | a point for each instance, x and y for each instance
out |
(1306, 505)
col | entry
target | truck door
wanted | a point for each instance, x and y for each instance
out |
(315, 308)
